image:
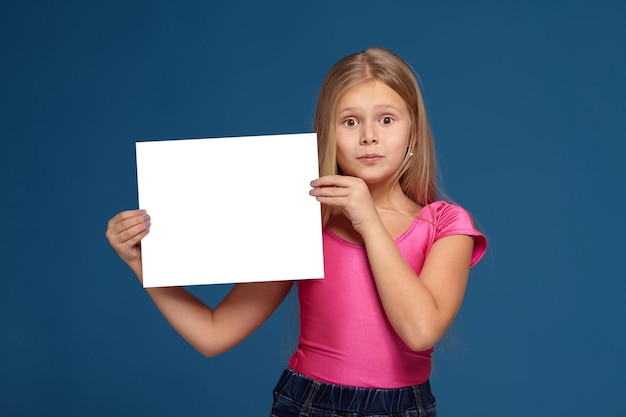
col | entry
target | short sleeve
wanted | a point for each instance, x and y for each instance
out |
(451, 219)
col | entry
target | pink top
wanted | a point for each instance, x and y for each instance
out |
(345, 337)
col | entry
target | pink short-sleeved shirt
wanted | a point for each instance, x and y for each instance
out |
(345, 337)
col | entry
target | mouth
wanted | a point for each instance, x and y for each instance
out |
(370, 158)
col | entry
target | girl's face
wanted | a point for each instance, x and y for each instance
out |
(372, 132)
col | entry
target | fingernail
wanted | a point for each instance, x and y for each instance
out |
(142, 212)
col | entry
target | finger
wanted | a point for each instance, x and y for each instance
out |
(132, 222)
(123, 220)
(332, 201)
(335, 186)
(333, 181)
(330, 192)
(132, 235)
(126, 225)
(126, 215)
(127, 246)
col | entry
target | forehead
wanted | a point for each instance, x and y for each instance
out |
(368, 94)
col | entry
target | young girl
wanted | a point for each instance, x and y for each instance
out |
(396, 259)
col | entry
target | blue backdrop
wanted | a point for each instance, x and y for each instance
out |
(527, 102)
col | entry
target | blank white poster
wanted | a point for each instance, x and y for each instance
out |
(229, 210)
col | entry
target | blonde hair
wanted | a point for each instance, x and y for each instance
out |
(418, 173)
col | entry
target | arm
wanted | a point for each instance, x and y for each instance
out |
(420, 309)
(210, 331)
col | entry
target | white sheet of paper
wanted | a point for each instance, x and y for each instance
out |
(229, 210)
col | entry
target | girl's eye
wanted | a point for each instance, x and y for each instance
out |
(350, 122)
(386, 120)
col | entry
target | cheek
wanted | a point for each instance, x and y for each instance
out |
(343, 155)
(341, 146)
(407, 138)
(341, 158)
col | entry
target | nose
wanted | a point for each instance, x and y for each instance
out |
(369, 134)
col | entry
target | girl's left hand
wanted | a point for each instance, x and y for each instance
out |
(348, 194)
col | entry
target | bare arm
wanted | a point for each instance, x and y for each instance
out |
(420, 309)
(210, 331)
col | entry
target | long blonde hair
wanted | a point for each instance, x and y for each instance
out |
(418, 173)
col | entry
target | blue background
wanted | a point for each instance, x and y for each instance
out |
(527, 103)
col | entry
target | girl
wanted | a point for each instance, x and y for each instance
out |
(397, 260)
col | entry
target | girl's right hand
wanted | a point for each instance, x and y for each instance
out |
(211, 332)
(124, 233)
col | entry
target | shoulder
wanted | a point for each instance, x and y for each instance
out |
(451, 219)
(443, 214)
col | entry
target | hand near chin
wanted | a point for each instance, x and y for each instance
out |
(350, 195)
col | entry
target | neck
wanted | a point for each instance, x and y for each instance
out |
(391, 196)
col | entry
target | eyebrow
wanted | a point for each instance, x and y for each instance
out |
(378, 107)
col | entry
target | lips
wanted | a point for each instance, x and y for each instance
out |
(370, 158)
